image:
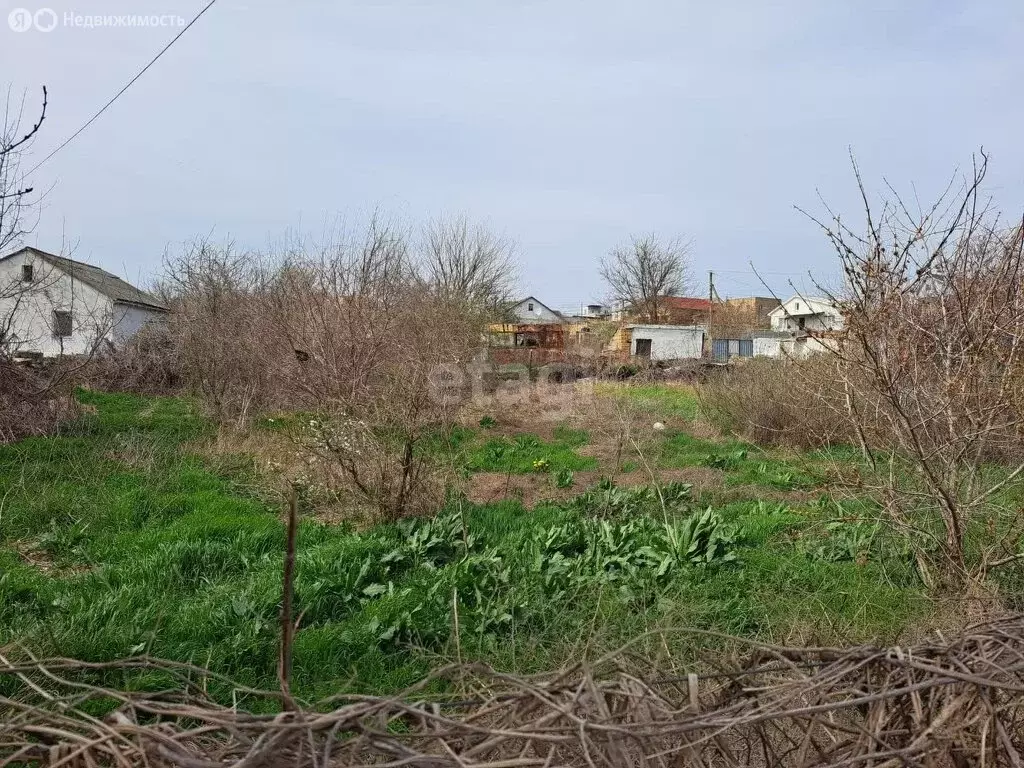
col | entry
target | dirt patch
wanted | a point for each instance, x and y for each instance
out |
(534, 409)
(40, 559)
(701, 429)
(35, 557)
(487, 487)
(134, 451)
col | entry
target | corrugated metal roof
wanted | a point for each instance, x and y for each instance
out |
(108, 284)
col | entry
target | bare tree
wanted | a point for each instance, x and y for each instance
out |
(30, 402)
(931, 361)
(16, 196)
(16, 202)
(639, 275)
(467, 264)
(370, 343)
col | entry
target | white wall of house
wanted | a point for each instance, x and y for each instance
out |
(529, 310)
(669, 342)
(130, 319)
(27, 310)
(808, 314)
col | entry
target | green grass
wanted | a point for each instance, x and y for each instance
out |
(527, 453)
(117, 539)
(744, 464)
(668, 401)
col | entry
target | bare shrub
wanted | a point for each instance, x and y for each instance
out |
(932, 361)
(148, 363)
(336, 310)
(372, 331)
(380, 357)
(33, 402)
(792, 403)
(220, 331)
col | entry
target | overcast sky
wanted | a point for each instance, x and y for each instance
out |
(566, 124)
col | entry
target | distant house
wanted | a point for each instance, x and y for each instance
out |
(532, 310)
(803, 326)
(806, 314)
(750, 311)
(684, 310)
(672, 310)
(53, 305)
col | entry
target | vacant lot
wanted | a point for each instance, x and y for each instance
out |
(132, 532)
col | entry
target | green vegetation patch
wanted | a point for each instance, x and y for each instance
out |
(117, 540)
(528, 453)
(744, 464)
(667, 401)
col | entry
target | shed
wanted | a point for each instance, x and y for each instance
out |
(666, 342)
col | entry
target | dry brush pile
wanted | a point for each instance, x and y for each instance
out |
(945, 703)
(32, 402)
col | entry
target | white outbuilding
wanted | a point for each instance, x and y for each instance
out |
(666, 342)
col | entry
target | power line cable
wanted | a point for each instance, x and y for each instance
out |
(128, 85)
(750, 272)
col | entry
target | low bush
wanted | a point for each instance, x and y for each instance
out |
(796, 403)
(149, 363)
(33, 402)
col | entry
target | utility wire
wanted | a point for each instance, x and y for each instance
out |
(128, 85)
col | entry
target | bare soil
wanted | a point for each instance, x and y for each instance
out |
(40, 559)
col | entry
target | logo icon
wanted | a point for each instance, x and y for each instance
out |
(45, 19)
(20, 19)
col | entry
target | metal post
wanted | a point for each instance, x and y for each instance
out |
(711, 304)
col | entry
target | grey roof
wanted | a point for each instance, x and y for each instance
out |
(110, 285)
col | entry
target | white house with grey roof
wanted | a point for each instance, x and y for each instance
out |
(530, 310)
(53, 305)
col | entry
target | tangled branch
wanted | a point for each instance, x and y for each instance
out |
(943, 703)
